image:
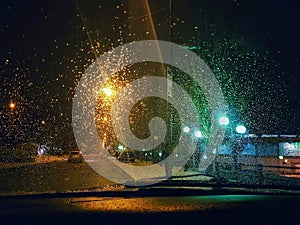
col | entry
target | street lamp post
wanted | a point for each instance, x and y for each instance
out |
(240, 130)
(197, 134)
(223, 121)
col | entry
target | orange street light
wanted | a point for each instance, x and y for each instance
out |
(108, 91)
(12, 105)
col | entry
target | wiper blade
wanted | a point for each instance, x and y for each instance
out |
(164, 190)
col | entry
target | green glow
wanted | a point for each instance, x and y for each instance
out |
(198, 134)
(224, 120)
(241, 129)
(186, 129)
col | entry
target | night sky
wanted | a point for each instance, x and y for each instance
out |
(252, 47)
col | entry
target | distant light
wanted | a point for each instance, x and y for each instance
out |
(198, 134)
(223, 120)
(186, 129)
(269, 135)
(240, 129)
(280, 157)
(43, 122)
(12, 105)
(289, 146)
(160, 154)
(288, 135)
(120, 147)
(251, 135)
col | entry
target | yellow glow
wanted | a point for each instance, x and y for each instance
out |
(108, 91)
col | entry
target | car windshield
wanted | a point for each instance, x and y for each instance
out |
(173, 93)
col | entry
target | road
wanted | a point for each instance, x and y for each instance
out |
(55, 174)
(49, 174)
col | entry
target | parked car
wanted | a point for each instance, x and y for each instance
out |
(75, 156)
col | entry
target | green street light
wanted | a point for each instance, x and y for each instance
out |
(224, 120)
(121, 147)
(186, 129)
(241, 129)
(198, 134)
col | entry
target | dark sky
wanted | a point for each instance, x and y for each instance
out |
(252, 46)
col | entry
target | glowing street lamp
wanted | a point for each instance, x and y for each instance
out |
(224, 120)
(12, 105)
(121, 147)
(186, 129)
(108, 91)
(198, 134)
(240, 129)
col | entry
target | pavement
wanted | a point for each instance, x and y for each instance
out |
(38, 160)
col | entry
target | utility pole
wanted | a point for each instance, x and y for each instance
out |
(168, 168)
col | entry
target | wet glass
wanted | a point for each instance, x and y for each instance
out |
(251, 47)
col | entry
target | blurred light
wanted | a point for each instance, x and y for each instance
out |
(186, 129)
(289, 146)
(107, 91)
(223, 120)
(198, 134)
(160, 154)
(43, 122)
(121, 147)
(12, 105)
(251, 135)
(240, 129)
(280, 157)
(269, 135)
(288, 135)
